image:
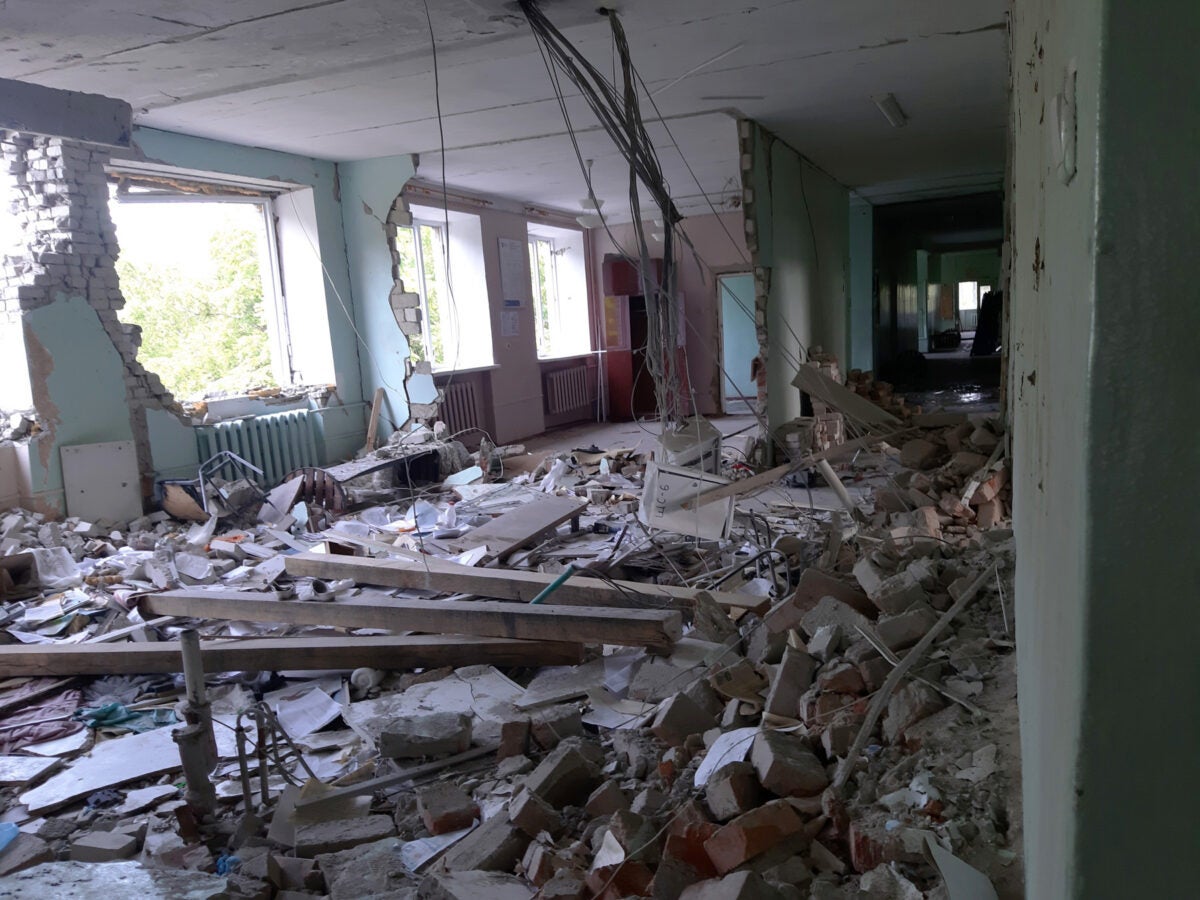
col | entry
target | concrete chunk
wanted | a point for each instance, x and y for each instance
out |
(564, 776)
(437, 734)
(474, 885)
(103, 846)
(903, 631)
(786, 766)
(793, 677)
(341, 834)
(533, 815)
(445, 807)
(732, 790)
(679, 717)
(745, 885)
(495, 846)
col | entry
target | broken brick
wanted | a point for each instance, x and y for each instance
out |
(435, 734)
(445, 807)
(751, 834)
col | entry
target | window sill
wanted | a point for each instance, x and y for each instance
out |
(466, 370)
(566, 357)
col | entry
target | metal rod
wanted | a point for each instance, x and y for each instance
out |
(198, 711)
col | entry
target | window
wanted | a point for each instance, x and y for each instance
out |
(441, 260)
(559, 283)
(422, 269)
(198, 271)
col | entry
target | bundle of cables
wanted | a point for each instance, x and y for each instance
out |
(618, 111)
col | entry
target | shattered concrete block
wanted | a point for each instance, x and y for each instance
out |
(745, 885)
(495, 846)
(830, 611)
(786, 766)
(701, 693)
(436, 734)
(635, 834)
(678, 718)
(24, 852)
(445, 807)
(473, 885)
(918, 454)
(564, 885)
(606, 800)
(341, 834)
(869, 575)
(752, 834)
(898, 593)
(533, 815)
(368, 870)
(793, 676)
(732, 790)
(549, 727)
(825, 643)
(565, 776)
(648, 802)
(905, 630)
(103, 846)
(839, 734)
(909, 705)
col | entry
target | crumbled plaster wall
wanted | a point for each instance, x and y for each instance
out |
(60, 200)
(406, 307)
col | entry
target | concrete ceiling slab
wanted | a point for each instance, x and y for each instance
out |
(353, 79)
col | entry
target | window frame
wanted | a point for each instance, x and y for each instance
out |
(270, 267)
(421, 289)
(553, 312)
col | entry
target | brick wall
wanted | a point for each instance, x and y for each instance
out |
(59, 197)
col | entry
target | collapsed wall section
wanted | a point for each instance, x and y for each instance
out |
(59, 198)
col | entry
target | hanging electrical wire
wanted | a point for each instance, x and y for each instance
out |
(617, 109)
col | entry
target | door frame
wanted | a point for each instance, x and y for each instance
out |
(718, 274)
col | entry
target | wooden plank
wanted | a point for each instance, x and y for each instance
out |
(586, 625)
(432, 574)
(514, 529)
(769, 477)
(373, 425)
(853, 406)
(273, 654)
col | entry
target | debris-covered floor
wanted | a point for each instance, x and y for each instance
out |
(549, 674)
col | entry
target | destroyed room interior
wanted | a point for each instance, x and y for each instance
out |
(504, 449)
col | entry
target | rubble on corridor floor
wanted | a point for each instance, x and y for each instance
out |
(731, 762)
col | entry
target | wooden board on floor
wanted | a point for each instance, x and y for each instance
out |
(581, 589)
(273, 654)
(514, 529)
(591, 625)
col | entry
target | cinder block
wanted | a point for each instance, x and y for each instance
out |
(678, 718)
(103, 846)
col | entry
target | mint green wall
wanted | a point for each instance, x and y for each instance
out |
(801, 218)
(80, 395)
(739, 342)
(369, 188)
(1103, 364)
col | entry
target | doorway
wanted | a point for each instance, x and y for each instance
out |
(739, 342)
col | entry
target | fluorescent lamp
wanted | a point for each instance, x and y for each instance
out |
(891, 109)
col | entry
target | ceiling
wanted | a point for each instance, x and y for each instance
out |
(353, 79)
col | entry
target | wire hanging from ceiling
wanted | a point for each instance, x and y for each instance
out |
(617, 108)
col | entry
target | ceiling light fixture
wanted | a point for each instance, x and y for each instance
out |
(891, 109)
(591, 219)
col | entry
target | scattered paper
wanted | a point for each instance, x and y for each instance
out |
(732, 746)
(415, 854)
(303, 709)
(963, 881)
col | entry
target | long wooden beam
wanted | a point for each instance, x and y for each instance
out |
(273, 654)
(655, 628)
(431, 574)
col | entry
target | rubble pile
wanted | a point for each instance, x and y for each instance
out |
(810, 701)
(18, 426)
